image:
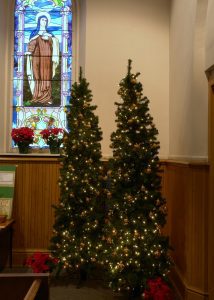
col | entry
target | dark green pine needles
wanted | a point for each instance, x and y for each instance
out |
(78, 216)
(134, 248)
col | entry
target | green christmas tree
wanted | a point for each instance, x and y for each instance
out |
(78, 215)
(135, 250)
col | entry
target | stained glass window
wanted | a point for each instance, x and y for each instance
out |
(42, 64)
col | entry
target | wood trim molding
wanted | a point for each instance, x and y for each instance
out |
(210, 77)
(185, 291)
(28, 158)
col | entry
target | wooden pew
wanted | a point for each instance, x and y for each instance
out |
(24, 286)
(6, 242)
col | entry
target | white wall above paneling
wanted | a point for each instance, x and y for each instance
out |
(209, 62)
(123, 29)
(188, 108)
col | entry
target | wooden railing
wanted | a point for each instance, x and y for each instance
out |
(24, 286)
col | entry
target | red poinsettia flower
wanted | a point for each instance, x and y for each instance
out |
(22, 135)
(157, 289)
(46, 133)
(53, 135)
(41, 262)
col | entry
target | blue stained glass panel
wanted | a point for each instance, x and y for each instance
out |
(42, 63)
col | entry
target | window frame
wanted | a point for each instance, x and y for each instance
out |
(6, 78)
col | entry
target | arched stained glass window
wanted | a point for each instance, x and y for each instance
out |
(42, 64)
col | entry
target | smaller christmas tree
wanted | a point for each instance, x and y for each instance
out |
(76, 228)
(135, 251)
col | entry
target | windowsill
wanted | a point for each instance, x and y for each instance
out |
(28, 154)
(42, 157)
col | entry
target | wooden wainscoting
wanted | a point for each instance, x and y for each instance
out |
(186, 187)
(35, 193)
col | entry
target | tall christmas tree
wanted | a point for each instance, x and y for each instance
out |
(76, 227)
(135, 250)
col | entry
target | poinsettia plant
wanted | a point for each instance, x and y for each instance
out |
(41, 262)
(52, 136)
(22, 135)
(157, 289)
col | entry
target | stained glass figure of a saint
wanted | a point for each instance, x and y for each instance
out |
(42, 61)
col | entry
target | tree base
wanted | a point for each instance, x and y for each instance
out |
(136, 293)
(82, 279)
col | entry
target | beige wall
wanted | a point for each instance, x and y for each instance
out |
(210, 35)
(188, 85)
(123, 29)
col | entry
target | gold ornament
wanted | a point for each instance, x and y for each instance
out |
(136, 233)
(143, 188)
(133, 106)
(148, 170)
(114, 231)
(110, 213)
(163, 209)
(157, 253)
(86, 104)
(136, 146)
(83, 213)
(109, 195)
(158, 202)
(129, 198)
(109, 172)
(151, 215)
(109, 240)
(159, 229)
(121, 266)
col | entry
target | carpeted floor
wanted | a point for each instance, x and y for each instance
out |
(68, 288)
(90, 290)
